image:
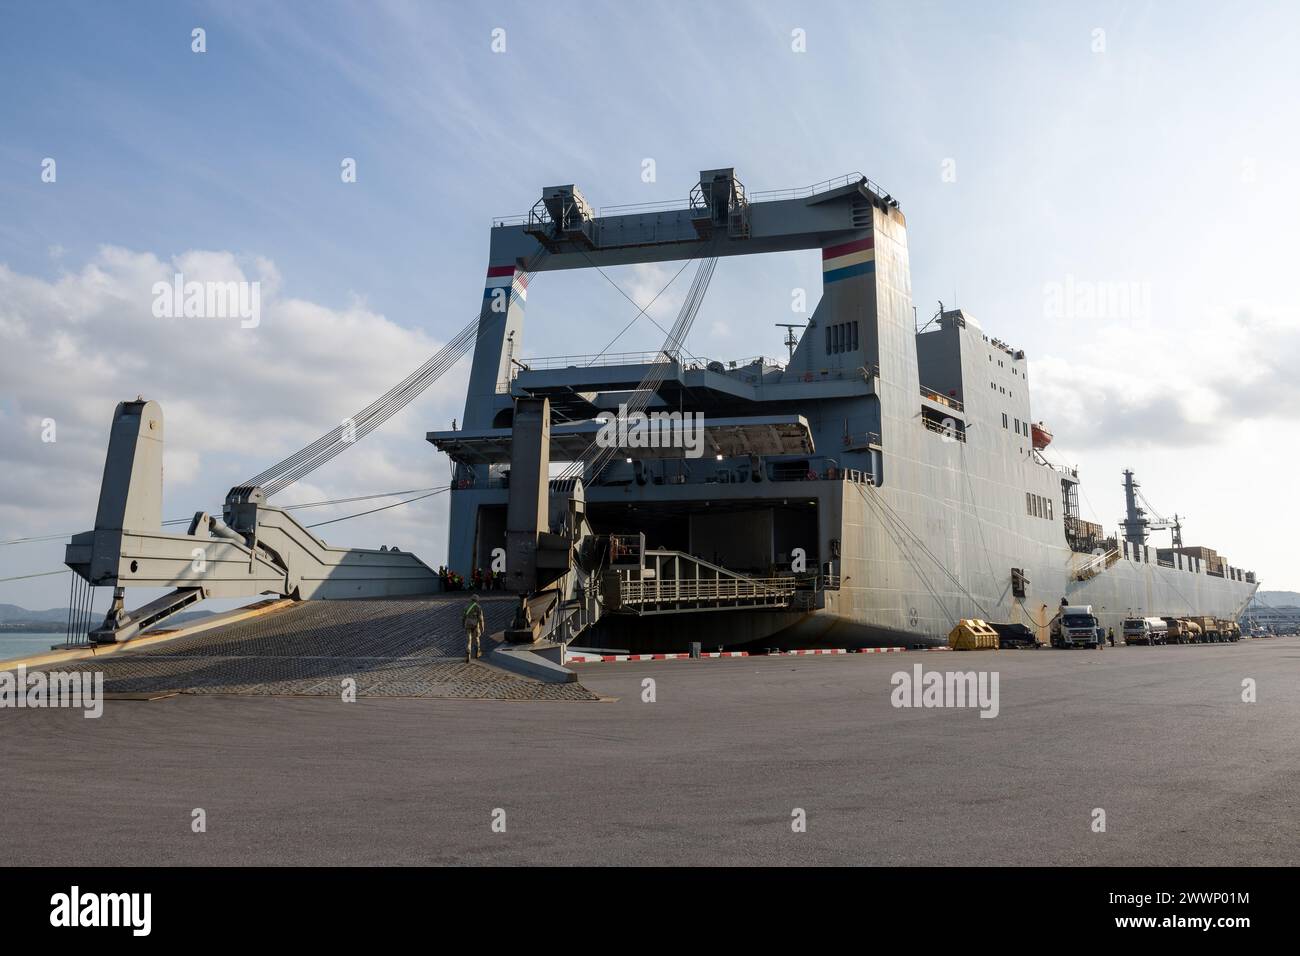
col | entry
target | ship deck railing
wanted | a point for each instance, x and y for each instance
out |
(803, 192)
(676, 594)
(617, 474)
(1096, 565)
(748, 371)
(945, 430)
(942, 399)
(682, 205)
(674, 582)
(605, 359)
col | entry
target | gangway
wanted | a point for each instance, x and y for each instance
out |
(672, 582)
(1096, 564)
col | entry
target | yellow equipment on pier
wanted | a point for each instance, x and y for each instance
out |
(973, 635)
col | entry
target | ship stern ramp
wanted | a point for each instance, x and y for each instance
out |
(344, 650)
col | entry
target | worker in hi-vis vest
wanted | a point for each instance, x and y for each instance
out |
(474, 624)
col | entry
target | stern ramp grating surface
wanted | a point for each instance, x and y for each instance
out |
(406, 647)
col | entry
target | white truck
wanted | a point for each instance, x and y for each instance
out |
(1076, 626)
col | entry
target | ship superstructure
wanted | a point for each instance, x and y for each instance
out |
(892, 478)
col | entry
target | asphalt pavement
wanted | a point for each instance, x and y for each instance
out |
(714, 771)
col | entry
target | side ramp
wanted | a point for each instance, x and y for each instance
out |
(398, 647)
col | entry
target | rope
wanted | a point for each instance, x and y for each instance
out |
(344, 501)
(642, 310)
(395, 504)
(586, 463)
(892, 528)
(174, 521)
(324, 449)
(72, 584)
(925, 550)
(42, 574)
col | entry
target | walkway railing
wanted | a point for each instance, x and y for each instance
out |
(941, 398)
(672, 582)
(947, 431)
(639, 358)
(771, 592)
(766, 195)
(1096, 565)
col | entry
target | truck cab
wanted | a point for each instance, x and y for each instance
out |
(1076, 626)
(1179, 631)
(1146, 630)
(1229, 630)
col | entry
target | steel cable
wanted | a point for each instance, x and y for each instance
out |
(325, 448)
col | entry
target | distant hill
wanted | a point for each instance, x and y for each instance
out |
(13, 614)
(1277, 598)
(55, 620)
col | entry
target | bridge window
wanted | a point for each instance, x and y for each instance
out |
(1039, 506)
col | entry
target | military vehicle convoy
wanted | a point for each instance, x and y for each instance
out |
(1181, 630)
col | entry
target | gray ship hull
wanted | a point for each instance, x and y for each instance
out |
(897, 465)
(906, 578)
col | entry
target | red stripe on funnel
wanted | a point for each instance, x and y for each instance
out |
(834, 252)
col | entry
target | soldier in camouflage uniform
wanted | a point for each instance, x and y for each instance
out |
(474, 625)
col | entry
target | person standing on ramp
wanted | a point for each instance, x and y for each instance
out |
(474, 625)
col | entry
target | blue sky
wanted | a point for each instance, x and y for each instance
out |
(1165, 158)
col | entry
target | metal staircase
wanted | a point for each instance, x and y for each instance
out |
(658, 581)
(1096, 564)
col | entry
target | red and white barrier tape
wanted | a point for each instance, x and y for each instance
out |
(579, 658)
(598, 658)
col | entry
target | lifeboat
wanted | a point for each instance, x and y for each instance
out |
(1041, 436)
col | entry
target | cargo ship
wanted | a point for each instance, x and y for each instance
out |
(874, 487)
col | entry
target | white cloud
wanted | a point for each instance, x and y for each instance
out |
(234, 400)
(1136, 384)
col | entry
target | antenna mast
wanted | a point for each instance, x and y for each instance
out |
(790, 340)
